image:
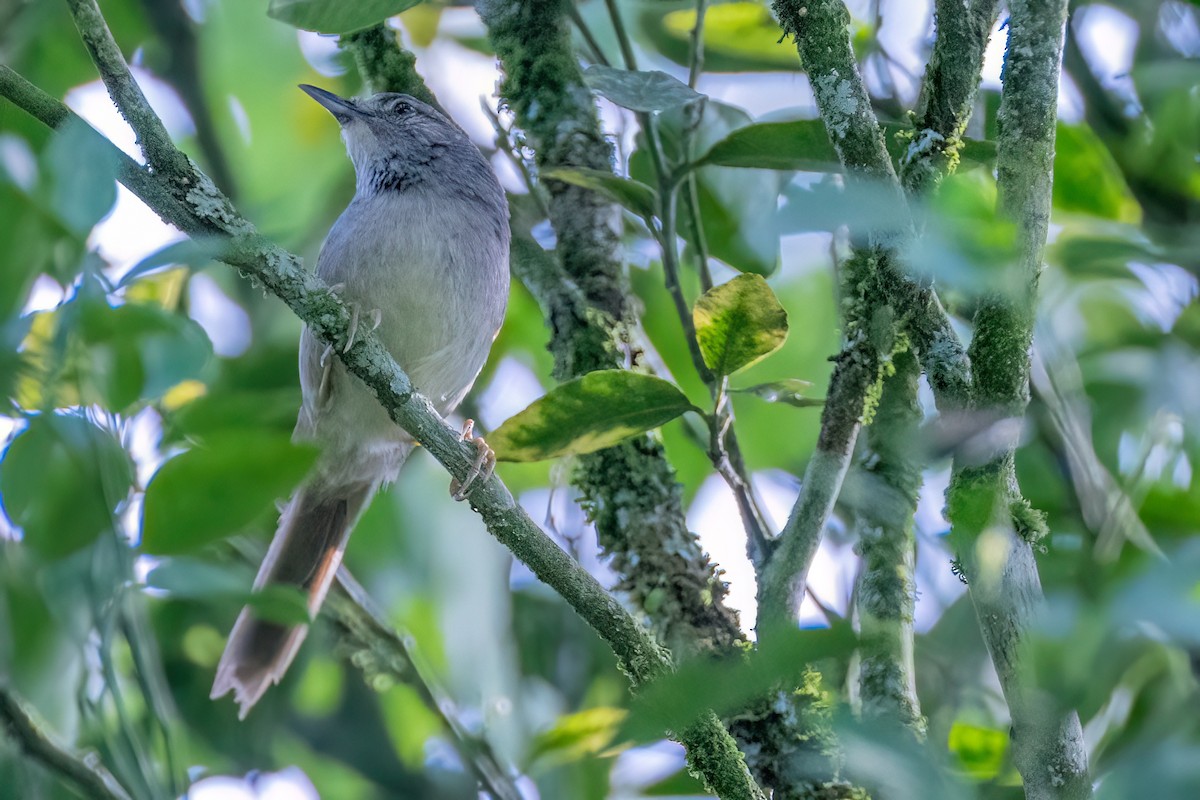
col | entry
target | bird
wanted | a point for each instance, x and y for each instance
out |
(423, 245)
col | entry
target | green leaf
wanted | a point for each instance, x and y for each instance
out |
(193, 579)
(675, 700)
(577, 736)
(224, 411)
(790, 391)
(137, 350)
(980, 751)
(336, 16)
(189, 252)
(738, 37)
(1087, 179)
(84, 186)
(680, 784)
(797, 145)
(633, 195)
(62, 480)
(218, 488)
(587, 414)
(640, 91)
(803, 144)
(739, 323)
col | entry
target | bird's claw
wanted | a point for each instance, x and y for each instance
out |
(376, 318)
(481, 469)
(326, 371)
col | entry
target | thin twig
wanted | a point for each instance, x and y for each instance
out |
(597, 53)
(364, 624)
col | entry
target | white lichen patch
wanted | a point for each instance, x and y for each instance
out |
(208, 203)
(838, 103)
(922, 144)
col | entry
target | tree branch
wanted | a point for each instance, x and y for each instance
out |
(379, 650)
(630, 491)
(884, 523)
(384, 65)
(84, 770)
(820, 31)
(985, 500)
(948, 92)
(209, 213)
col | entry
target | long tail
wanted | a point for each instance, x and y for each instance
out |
(306, 552)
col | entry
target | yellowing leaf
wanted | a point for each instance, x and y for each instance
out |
(587, 414)
(739, 323)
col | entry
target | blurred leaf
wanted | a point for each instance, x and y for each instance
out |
(26, 240)
(188, 252)
(193, 579)
(738, 323)
(84, 186)
(639, 91)
(225, 411)
(137, 350)
(826, 206)
(966, 244)
(633, 195)
(980, 751)
(421, 23)
(216, 489)
(336, 16)
(579, 735)
(680, 784)
(1087, 179)
(790, 391)
(410, 724)
(738, 207)
(62, 480)
(587, 414)
(738, 36)
(1104, 252)
(676, 700)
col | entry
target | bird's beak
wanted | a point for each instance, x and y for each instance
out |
(342, 109)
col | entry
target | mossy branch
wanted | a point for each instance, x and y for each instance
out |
(891, 475)
(630, 491)
(985, 500)
(384, 65)
(948, 93)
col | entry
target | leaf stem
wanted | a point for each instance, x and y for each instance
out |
(627, 53)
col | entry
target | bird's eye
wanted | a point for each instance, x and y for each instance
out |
(401, 107)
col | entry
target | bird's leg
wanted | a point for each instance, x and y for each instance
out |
(482, 468)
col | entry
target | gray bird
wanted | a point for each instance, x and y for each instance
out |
(422, 249)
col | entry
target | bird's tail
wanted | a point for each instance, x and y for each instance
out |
(305, 553)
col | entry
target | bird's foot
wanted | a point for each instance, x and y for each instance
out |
(323, 389)
(376, 318)
(481, 469)
(352, 333)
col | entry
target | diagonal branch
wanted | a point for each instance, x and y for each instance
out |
(83, 770)
(209, 214)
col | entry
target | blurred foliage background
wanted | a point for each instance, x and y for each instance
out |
(122, 349)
